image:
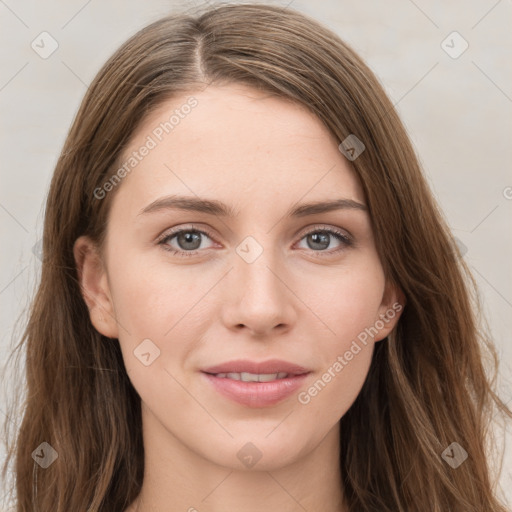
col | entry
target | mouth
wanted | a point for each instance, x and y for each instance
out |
(244, 366)
(256, 384)
(252, 377)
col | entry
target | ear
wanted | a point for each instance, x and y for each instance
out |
(94, 285)
(393, 303)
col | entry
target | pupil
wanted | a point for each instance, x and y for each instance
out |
(324, 242)
(188, 238)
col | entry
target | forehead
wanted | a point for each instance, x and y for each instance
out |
(239, 144)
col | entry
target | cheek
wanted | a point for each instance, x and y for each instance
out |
(348, 307)
(150, 299)
(155, 298)
(348, 302)
(157, 303)
(331, 394)
(346, 351)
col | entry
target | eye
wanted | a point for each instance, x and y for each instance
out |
(188, 240)
(320, 238)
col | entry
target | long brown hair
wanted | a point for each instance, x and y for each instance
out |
(428, 385)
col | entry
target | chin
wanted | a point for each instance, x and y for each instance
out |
(257, 453)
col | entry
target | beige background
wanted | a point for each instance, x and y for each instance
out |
(458, 112)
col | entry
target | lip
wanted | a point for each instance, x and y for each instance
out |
(257, 394)
(270, 366)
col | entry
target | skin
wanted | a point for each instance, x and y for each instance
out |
(260, 155)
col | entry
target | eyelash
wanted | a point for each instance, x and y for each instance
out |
(339, 235)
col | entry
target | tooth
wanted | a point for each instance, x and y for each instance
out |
(253, 377)
(266, 377)
(248, 377)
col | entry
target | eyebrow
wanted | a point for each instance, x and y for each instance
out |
(214, 207)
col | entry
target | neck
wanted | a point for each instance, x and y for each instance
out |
(179, 479)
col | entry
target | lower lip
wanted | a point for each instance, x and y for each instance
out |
(257, 394)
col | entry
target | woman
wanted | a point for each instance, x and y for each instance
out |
(315, 348)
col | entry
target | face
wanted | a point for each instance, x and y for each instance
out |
(186, 286)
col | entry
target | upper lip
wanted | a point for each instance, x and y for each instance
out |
(255, 367)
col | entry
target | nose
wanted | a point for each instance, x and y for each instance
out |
(259, 297)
